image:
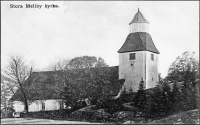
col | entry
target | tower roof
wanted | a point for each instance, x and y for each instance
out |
(139, 18)
(138, 41)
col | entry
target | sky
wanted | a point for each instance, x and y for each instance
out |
(95, 28)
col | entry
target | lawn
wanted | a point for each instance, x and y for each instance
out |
(188, 117)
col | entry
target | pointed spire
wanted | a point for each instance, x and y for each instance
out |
(139, 18)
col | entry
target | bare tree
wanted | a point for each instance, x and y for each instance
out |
(60, 64)
(18, 75)
(7, 91)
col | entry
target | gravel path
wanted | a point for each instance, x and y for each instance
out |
(38, 121)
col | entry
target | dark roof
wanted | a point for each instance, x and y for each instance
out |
(139, 18)
(138, 41)
(44, 83)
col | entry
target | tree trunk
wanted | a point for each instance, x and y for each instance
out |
(25, 101)
(26, 106)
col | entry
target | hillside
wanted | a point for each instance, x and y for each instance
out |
(188, 117)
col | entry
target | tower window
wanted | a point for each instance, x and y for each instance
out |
(132, 56)
(152, 57)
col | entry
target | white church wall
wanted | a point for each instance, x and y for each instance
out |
(132, 70)
(34, 106)
(52, 104)
(133, 73)
(18, 106)
(151, 70)
(55, 104)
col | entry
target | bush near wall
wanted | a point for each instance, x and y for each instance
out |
(56, 114)
(78, 105)
(7, 112)
(127, 97)
(110, 105)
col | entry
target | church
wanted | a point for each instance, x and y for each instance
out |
(138, 56)
(138, 61)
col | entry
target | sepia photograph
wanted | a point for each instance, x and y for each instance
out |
(100, 62)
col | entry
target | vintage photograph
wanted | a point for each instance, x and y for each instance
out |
(92, 62)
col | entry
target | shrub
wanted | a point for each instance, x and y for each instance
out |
(7, 112)
(78, 105)
(90, 113)
(140, 97)
(82, 114)
(127, 97)
(101, 115)
(56, 114)
(123, 116)
(110, 105)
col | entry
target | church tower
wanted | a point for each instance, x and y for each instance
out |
(138, 56)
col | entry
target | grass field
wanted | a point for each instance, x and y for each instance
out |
(188, 117)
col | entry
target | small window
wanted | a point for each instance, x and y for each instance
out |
(61, 106)
(132, 56)
(43, 106)
(152, 57)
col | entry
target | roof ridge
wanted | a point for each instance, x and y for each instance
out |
(124, 42)
(137, 16)
(154, 45)
(143, 16)
(53, 71)
(141, 40)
